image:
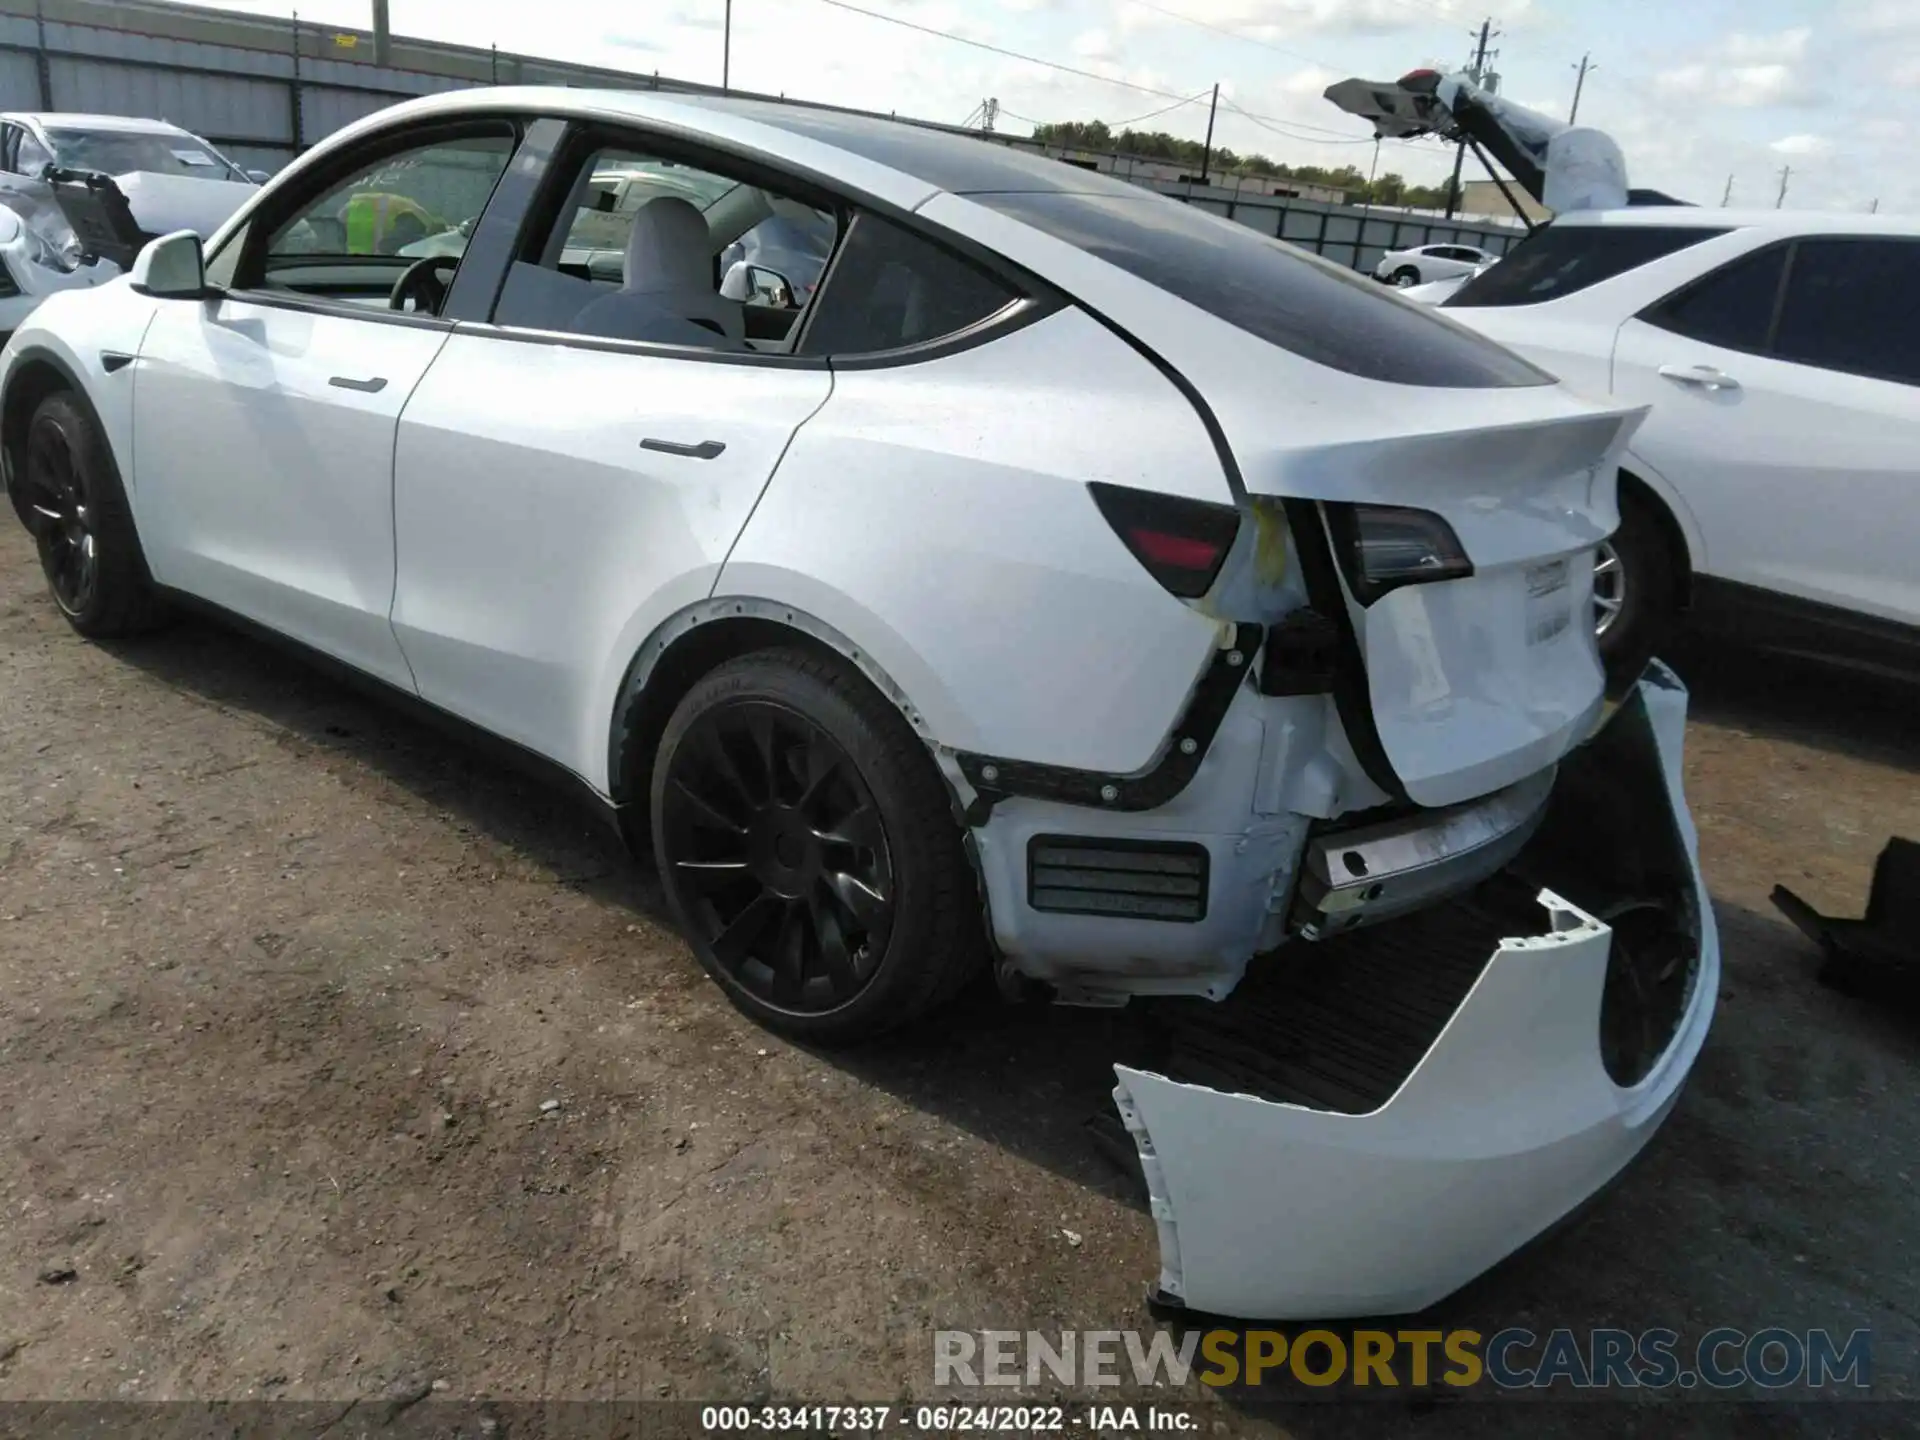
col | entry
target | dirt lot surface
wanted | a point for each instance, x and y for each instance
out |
(287, 983)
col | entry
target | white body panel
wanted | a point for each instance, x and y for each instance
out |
(1510, 1121)
(1791, 478)
(540, 544)
(1804, 479)
(264, 485)
(898, 512)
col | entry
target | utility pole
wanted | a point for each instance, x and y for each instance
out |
(726, 47)
(1726, 194)
(1475, 71)
(1206, 153)
(1874, 209)
(989, 112)
(1579, 83)
(1785, 172)
(382, 34)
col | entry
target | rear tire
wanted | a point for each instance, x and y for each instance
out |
(1405, 277)
(77, 512)
(1636, 590)
(809, 850)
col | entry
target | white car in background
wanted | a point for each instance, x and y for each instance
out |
(1423, 263)
(1072, 577)
(1434, 292)
(1773, 490)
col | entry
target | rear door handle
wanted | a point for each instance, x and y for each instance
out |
(1707, 377)
(372, 385)
(705, 450)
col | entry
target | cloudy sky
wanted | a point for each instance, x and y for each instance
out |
(1696, 91)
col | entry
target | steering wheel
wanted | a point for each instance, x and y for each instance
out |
(422, 287)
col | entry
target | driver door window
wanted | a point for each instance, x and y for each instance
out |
(356, 240)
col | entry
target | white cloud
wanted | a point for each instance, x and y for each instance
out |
(1095, 45)
(1801, 145)
(1744, 71)
(1273, 20)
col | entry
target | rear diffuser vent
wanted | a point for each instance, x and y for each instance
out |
(1127, 879)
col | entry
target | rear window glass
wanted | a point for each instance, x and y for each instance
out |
(1562, 259)
(1285, 296)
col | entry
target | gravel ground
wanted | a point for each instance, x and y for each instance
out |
(287, 983)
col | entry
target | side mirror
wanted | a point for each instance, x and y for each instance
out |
(770, 287)
(259, 177)
(171, 268)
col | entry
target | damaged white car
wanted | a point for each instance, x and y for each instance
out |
(79, 194)
(1071, 578)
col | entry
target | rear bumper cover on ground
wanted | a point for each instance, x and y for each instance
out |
(1506, 1123)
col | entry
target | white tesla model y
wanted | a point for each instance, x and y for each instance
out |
(1052, 576)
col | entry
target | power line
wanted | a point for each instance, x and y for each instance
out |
(1113, 124)
(1001, 50)
(1277, 127)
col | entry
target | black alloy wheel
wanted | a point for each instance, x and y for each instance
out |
(810, 850)
(58, 512)
(778, 856)
(67, 490)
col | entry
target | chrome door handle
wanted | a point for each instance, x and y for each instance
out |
(372, 385)
(1707, 377)
(705, 450)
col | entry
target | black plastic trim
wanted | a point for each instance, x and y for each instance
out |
(508, 752)
(499, 232)
(114, 361)
(1352, 695)
(1146, 789)
(1787, 624)
(1181, 849)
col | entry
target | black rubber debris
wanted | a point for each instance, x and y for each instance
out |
(1877, 958)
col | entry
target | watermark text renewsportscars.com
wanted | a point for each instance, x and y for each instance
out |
(1774, 1358)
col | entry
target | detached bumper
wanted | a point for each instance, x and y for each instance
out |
(1350, 1189)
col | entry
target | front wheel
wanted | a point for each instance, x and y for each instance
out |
(81, 523)
(807, 846)
(1406, 276)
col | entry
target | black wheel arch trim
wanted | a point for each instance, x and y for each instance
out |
(685, 622)
(1172, 770)
(13, 429)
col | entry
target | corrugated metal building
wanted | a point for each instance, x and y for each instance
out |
(263, 89)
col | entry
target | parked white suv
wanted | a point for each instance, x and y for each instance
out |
(1073, 579)
(1774, 485)
(1406, 268)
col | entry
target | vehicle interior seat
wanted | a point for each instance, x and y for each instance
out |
(667, 293)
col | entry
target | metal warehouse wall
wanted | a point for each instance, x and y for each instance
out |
(264, 88)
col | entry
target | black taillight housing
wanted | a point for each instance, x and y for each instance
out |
(1181, 542)
(1382, 547)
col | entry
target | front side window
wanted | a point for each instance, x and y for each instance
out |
(1277, 292)
(417, 203)
(1853, 305)
(1733, 307)
(652, 250)
(1561, 260)
(892, 288)
(118, 152)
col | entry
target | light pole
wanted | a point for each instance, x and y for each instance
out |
(726, 48)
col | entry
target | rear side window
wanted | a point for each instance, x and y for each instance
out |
(1732, 307)
(890, 288)
(1854, 306)
(1285, 296)
(1563, 259)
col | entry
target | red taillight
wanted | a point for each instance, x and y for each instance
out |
(1181, 542)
